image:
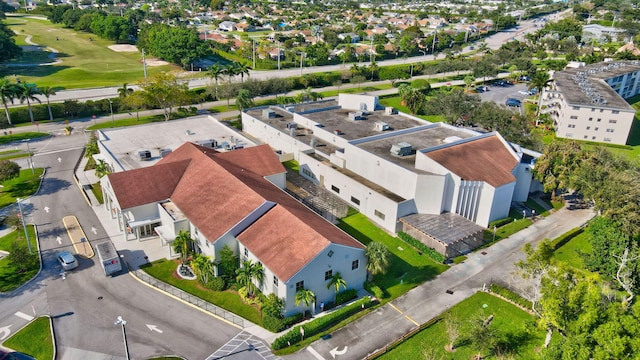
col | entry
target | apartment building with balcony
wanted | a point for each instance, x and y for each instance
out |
(589, 103)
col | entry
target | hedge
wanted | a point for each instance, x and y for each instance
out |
(275, 324)
(422, 247)
(510, 295)
(320, 324)
(374, 289)
(346, 295)
(566, 237)
(499, 223)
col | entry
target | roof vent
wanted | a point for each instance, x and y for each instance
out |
(401, 149)
(210, 143)
(268, 114)
(358, 115)
(381, 126)
(290, 108)
(389, 110)
(145, 155)
(164, 152)
(451, 139)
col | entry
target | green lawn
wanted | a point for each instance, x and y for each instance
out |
(407, 268)
(10, 278)
(569, 252)
(9, 138)
(396, 103)
(507, 230)
(133, 121)
(34, 340)
(96, 189)
(85, 63)
(24, 185)
(230, 300)
(515, 332)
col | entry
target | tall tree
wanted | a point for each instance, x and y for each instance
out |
(248, 275)
(557, 165)
(124, 91)
(8, 92)
(215, 72)
(27, 93)
(182, 245)
(244, 100)
(377, 258)
(539, 81)
(241, 69)
(165, 91)
(48, 91)
(203, 267)
(8, 170)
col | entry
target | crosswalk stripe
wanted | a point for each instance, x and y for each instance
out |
(24, 316)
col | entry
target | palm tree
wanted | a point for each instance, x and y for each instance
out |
(304, 296)
(8, 92)
(244, 99)
(241, 69)
(203, 267)
(124, 91)
(182, 245)
(102, 168)
(47, 91)
(468, 81)
(539, 81)
(248, 274)
(378, 258)
(215, 72)
(28, 93)
(337, 282)
(230, 70)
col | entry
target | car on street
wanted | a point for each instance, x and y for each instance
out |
(512, 102)
(482, 88)
(67, 260)
(525, 92)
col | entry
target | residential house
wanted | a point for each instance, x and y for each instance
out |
(227, 26)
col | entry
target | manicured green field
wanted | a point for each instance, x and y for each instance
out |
(230, 300)
(516, 332)
(24, 185)
(407, 268)
(569, 253)
(34, 340)
(396, 103)
(84, 63)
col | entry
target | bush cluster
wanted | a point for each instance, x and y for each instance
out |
(216, 283)
(499, 223)
(320, 324)
(422, 247)
(374, 289)
(275, 324)
(346, 295)
(510, 295)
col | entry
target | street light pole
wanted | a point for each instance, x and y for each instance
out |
(33, 171)
(111, 109)
(301, 58)
(26, 234)
(121, 321)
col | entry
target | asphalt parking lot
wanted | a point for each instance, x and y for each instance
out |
(500, 94)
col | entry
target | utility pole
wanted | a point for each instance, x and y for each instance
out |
(301, 58)
(144, 63)
(278, 55)
(24, 226)
(433, 46)
(254, 53)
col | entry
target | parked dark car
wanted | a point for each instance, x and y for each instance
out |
(511, 102)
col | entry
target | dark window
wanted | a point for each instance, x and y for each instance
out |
(615, 112)
(246, 252)
(328, 274)
(299, 285)
(330, 253)
(355, 264)
(355, 201)
(335, 188)
(379, 214)
(275, 281)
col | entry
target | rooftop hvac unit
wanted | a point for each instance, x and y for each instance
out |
(210, 143)
(164, 152)
(312, 143)
(389, 110)
(225, 145)
(268, 114)
(337, 132)
(290, 108)
(358, 115)
(382, 126)
(292, 132)
(145, 155)
(292, 125)
(401, 149)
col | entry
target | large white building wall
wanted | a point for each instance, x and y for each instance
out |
(524, 180)
(499, 203)
(357, 102)
(142, 212)
(591, 123)
(313, 276)
(430, 194)
(272, 136)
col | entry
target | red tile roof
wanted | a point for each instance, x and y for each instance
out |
(215, 191)
(486, 159)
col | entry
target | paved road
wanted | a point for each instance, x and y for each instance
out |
(427, 301)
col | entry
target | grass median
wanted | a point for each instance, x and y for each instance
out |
(11, 277)
(34, 340)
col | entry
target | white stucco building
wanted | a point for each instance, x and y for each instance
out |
(236, 199)
(389, 165)
(588, 103)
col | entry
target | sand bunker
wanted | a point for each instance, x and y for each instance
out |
(123, 48)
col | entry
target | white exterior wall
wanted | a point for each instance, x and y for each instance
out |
(626, 85)
(279, 180)
(430, 194)
(106, 155)
(524, 178)
(142, 212)
(594, 123)
(272, 136)
(501, 202)
(313, 276)
(355, 101)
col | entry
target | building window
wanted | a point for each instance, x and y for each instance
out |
(573, 117)
(615, 112)
(590, 119)
(299, 285)
(596, 129)
(571, 126)
(328, 274)
(601, 110)
(355, 201)
(355, 264)
(585, 137)
(613, 121)
(275, 281)
(607, 139)
(593, 138)
(588, 127)
(592, 109)
(379, 214)
(335, 188)
(578, 108)
(330, 253)
(599, 120)
(610, 130)
(246, 252)
(568, 135)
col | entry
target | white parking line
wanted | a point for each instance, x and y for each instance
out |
(24, 316)
(315, 353)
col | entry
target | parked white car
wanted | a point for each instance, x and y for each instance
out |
(67, 260)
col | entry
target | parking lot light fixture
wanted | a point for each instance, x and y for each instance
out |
(122, 322)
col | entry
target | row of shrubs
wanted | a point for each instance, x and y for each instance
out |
(432, 253)
(374, 289)
(499, 223)
(510, 295)
(320, 324)
(69, 109)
